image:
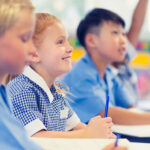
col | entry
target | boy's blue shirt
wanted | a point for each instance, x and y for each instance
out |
(12, 133)
(127, 75)
(89, 90)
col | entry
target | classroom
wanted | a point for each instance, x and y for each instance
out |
(75, 74)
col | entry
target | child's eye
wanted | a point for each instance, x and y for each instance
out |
(115, 32)
(60, 42)
(25, 38)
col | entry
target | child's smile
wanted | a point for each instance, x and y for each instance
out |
(67, 59)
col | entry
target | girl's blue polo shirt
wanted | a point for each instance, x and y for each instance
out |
(89, 90)
(12, 133)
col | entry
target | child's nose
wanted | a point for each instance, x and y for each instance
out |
(123, 39)
(69, 48)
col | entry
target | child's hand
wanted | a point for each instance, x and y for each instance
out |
(112, 136)
(99, 127)
(111, 147)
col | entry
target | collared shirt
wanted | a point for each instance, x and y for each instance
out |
(126, 75)
(131, 51)
(89, 90)
(12, 133)
(37, 106)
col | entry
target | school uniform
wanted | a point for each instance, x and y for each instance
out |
(89, 90)
(12, 133)
(37, 106)
(126, 75)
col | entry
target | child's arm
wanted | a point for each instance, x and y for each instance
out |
(97, 128)
(125, 117)
(137, 21)
(79, 126)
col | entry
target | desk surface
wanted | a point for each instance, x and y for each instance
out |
(85, 144)
(139, 146)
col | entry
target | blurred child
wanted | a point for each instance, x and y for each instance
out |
(123, 72)
(17, 23)
(91, 80)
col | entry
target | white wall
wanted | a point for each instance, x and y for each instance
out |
(125, 9)
(70, 14)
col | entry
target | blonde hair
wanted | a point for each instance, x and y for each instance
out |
(10, 11)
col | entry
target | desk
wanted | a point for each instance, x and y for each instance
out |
(77, 144)
(139, 146)
(85, 144)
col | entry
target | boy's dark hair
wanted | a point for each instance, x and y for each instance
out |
(95, 18)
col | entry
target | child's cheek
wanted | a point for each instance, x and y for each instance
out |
(63, 49)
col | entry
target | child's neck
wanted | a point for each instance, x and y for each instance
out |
(2, 76)
(44, 74)
(100, 64)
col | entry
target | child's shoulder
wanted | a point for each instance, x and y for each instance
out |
(19, 84)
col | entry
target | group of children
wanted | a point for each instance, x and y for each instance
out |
(36, 101)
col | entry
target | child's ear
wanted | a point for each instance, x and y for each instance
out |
(90, 40)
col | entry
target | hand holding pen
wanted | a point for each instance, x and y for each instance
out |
(115, 146)
(106, 115)
(111, 147)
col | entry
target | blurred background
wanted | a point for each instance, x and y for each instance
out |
(71, 11)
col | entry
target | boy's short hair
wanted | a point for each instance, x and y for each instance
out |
(96, 18)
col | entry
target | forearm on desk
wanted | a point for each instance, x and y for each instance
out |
(79, 126)
(59, 134)
(125, 117)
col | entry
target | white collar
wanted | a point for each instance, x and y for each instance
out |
(114, 70)
(35, 77)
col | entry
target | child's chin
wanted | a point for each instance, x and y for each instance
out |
(120, 59)
(67, 69)
(16, 71)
